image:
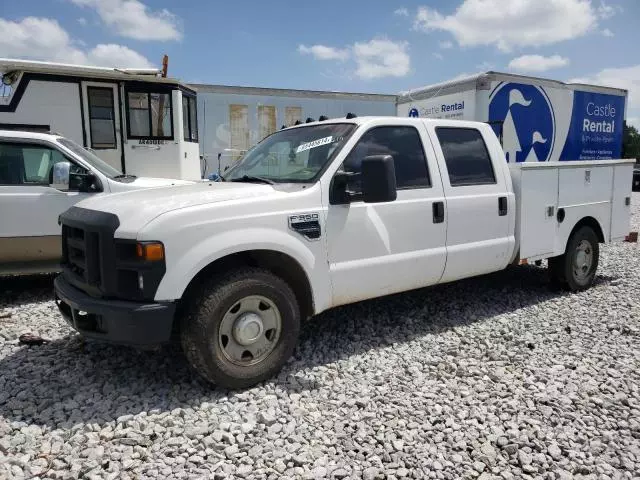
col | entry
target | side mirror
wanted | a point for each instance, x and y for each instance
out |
(60, 175)
(378, 179)
(82, 182)
(339, 193)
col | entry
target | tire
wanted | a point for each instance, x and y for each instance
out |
(576, 269)
(221, 318)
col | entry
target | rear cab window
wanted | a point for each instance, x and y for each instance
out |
(466, 156)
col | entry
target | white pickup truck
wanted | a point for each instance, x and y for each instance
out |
(41, 176)
(321, 215)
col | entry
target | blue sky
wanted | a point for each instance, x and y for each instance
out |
(384, 46)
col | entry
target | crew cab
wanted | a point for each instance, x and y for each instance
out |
(320, 215)
(41, 176)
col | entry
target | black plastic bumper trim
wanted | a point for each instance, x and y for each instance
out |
(114, 321)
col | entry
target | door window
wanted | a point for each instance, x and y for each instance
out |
(102, 117)
(189, 118)
(149, 115)
(403, 144)
(466, 155)
(23, 164)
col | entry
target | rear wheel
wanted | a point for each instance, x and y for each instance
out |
(241, 328)
(576, 269)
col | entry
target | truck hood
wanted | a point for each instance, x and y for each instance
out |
(145, 182)
(138, 207)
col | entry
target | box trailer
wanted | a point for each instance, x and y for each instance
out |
(535, 119)
(235, 118)
(136, 120)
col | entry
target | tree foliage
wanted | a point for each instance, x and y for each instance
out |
(630, 142)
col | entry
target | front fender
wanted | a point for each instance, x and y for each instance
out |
(183, 268)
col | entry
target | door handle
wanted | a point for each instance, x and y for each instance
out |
(502, 206)
(438, 212)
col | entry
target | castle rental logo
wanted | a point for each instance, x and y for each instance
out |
(523, 117)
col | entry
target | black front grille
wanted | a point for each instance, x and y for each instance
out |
(82, 256)
(87, 246)
(94, 261)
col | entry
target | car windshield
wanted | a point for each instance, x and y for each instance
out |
(90, 157)
(296, 155)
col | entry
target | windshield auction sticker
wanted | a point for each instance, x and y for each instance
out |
(316, 143)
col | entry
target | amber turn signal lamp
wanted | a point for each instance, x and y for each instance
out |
(150, 251)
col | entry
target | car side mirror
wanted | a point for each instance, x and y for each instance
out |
(339, 193)
(82, 182)
(60, 176)
(378, 179)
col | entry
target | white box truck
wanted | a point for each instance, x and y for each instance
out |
(535, 119)
(321, 215)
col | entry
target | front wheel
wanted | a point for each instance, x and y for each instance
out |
(576, 269)
(241, 328)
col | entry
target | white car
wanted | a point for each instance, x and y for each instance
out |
(321, 215)
(41, 176)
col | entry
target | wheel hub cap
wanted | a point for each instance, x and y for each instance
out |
(248, 328)
(583, 260)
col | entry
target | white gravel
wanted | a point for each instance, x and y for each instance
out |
(495, 377)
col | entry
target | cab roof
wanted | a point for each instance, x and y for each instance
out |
(8, 65)
(28, 134)
(391, 119)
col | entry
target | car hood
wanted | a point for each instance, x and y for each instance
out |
(145, 182)
(138, 207)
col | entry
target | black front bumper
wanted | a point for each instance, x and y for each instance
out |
(115, 321)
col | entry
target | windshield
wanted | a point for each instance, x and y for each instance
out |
(294, 155)
(90, 157)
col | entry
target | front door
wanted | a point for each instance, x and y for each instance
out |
(383, 248)
(30, 206)
(102, 121)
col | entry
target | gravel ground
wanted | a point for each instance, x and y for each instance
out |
(495, 377)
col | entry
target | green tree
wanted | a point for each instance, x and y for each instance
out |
(630, 142)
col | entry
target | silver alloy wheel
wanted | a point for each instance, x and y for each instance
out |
(583, 260)
(250, 330)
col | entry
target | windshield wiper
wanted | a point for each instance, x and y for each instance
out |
(124, 175)
(252, 178)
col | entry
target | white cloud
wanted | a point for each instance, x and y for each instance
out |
(133, 19)
(606, 11)
(44, 39)
(117, 55)
(381, 58)
(622, 77)
(322, 52)
(607, 33)
(537, 63)
(485, 66)
(402, 12)
(446, 44)
(635, 121)
(376, 58)
(438, 55)
(512, 24)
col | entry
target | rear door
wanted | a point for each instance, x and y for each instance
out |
(479, 200)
